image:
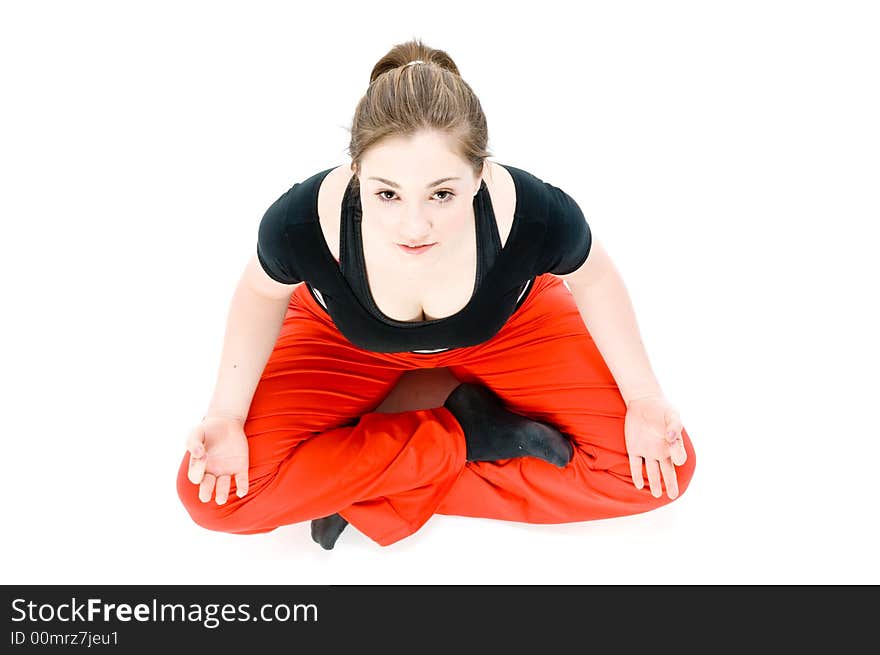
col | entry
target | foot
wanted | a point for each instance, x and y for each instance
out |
(326, 531)
(492, 432)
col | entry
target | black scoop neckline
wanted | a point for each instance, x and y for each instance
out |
(482, 202)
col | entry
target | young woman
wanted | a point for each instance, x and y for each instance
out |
(421, 253)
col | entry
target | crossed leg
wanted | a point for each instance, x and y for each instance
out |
(317, 446)
(547, 367)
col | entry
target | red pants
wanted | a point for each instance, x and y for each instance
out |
(317, 445)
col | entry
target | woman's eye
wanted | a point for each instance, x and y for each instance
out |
(446, 197)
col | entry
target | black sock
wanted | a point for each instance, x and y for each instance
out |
(326, 531)
(492, 432)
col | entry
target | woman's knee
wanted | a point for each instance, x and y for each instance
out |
(210, 515)
(684, 473)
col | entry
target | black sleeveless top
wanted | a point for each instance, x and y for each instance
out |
(549, 234)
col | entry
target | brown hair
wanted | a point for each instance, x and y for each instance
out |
(402, 100)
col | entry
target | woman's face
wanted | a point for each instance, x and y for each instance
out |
(416, 191)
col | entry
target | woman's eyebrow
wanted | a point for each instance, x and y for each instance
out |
(397, 186)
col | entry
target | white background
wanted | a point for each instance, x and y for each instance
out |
(725, 153)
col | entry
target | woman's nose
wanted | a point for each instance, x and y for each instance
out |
(415, 228)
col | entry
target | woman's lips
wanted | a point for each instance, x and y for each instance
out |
(416, 251)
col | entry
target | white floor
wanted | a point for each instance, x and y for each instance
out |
(727, 156)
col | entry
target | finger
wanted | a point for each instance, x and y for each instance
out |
(668, 472)
(635, 470)
(195, 443)
(673, 426)
(222, 493)
(196, 469)
(678, 453)
(241, 484)
(206, 488)
(653, 470)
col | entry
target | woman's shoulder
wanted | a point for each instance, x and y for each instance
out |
(298, 204)
(329, 204)
(502, 192)
(537, 199)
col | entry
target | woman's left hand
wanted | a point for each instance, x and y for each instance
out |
(653, 434)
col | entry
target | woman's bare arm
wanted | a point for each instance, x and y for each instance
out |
(256, 313)
(605, 306)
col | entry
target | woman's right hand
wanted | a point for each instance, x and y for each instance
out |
(218, 449)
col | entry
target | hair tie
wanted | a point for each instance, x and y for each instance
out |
(414, 61)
